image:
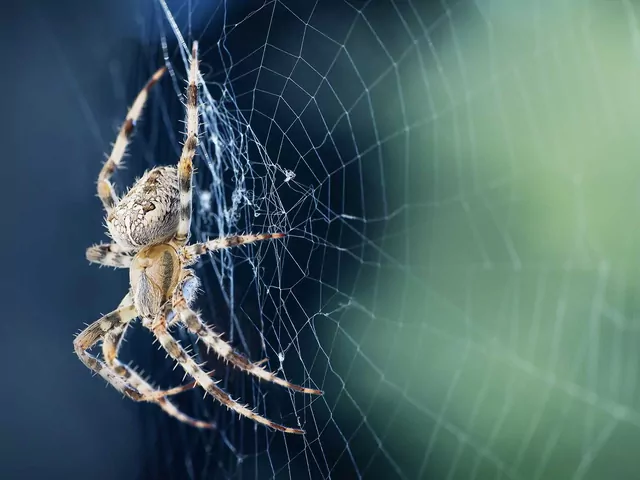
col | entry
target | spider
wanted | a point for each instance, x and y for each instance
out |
(150, 227)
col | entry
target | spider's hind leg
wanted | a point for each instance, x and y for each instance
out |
(105, 190)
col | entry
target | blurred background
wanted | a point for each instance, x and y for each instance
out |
(460, 184)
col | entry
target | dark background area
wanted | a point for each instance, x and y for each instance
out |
(71, 68)
(57, 123)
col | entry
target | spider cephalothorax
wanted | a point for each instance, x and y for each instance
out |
(154, 275)
(150, 228)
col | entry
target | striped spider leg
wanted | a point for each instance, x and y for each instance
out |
(110, 255)
(106, 193)
(215, 342)
(111, 329)
(96, 332)
(190, 253)
(159, 328)
(185, 165)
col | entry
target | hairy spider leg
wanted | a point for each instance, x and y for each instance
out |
(185, 165)
(111, 345)
(190, 253)
(106, 191)
(159, 328)
(110, 329)
(225, 351)
(110, 255)
(95, 332)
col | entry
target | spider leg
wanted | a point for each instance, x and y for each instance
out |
(95, 332)
(185, 165)
(173, 348)
(111, 328)
(110, 255)
(225, 351)
(105, 189)
(190, 253)
(110, 347)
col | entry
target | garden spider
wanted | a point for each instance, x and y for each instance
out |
(149, 227)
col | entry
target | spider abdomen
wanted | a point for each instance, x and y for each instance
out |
(148, 213)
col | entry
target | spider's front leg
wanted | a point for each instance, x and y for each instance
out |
(110, 255)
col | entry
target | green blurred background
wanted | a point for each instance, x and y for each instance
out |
(503, 337)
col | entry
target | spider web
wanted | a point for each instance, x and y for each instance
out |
(456, 180)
